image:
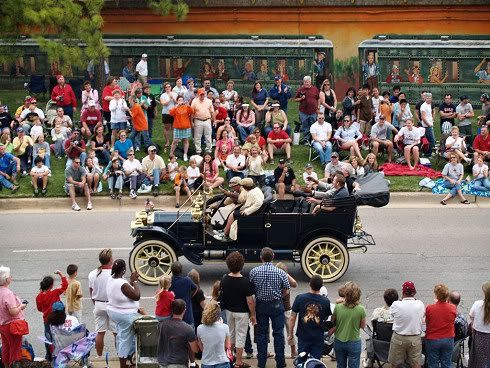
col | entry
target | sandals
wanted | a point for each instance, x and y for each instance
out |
(119, 196)
(113, 196)
(443, 202)
(465, 202)
(243, 365)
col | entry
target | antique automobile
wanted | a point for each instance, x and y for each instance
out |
(319, 242)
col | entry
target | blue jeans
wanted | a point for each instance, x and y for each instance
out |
(49, 337)
(11, 170)
(482, 184)
(230, 174)
(429, 134)
(348, 353)
(4, 182)
(307, 121)
(103, 156)
(136, 137)
(324, 153)
(68, 110)
(273, 311)
(156, 176)
(315, 349)
(221, 365)
(59, 147)
(244, 132)
(439, 352)
(453, 188)
(83, 157)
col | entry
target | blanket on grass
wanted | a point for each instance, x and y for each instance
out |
(403, 170)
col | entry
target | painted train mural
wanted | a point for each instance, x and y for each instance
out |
(456, 64)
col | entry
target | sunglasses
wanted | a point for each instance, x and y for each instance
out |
(130, 154)
(277, 127)
(76, 162)
(153, 151)
(346, 121)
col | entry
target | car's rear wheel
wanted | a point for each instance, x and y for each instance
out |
(151, 259)
(326, 257)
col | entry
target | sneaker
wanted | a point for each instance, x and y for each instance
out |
(89, 206)
(75, 207)
(24, 173)
(367, 363)
(119, 196)
(155, 190)
(221, 237)
(177, 205)
(43, 192)
(137, 149)
(144, 189)
(185, 158)
(468, 160)
(49, 175)
(132, 194)
(36, 192)
(289, 161)
(218, 232)
(249, 356)
(112, 195)
(15, 188)
(271, 162)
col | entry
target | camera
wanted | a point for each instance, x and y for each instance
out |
(25, 302)
(76, 143)
(61, 98)
(302, 94)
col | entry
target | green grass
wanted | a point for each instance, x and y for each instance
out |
(300, 156)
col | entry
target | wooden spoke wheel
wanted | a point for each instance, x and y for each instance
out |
(326, 257)
(151, 259)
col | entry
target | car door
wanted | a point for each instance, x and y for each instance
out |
(281, 229)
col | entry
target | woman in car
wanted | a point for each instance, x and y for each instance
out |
(410, 137)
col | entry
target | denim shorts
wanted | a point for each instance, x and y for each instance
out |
(119, 126)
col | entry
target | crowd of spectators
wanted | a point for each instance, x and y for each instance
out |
(239, 138)
(219, 329)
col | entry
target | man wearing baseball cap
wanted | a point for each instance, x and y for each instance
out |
(203, 117)
(408, 314)
(91, 118)
(142, 69)
(154, 168)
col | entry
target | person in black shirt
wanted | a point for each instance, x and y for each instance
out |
(285, 179)
(396, 92)
(237, 300)
(447, 110)
(6, 120)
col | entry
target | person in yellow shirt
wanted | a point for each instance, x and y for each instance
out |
(74, 293)
(23, 145)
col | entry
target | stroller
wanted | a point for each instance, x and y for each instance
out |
(50, 112)
(304, 360)
(71, 346)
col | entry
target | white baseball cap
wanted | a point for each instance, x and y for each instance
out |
(144, 56)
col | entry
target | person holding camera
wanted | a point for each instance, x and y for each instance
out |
(11, 309)
(285, 179)
(65, 97)
(276, 115)
(134, 171)
(75, 148)
(307, 96)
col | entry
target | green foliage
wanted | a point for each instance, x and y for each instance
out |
(346, 69)
(167, 7)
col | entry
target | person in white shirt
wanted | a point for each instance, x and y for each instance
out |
(235, 163)
(310, 177)
(427, 118)
(456, 144)
(118, 108)
(97, 283)
(376, 102)
(480, 175)
(321, 132)
(142, 69)
(410, 136)
(134, 171)
(406, 341)
(480, 321)
(193, 175)
(381, 137)
(39, 176)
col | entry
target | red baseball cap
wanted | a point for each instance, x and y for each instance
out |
(408, 287)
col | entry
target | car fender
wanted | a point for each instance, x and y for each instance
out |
(305, 239)
(157, 232)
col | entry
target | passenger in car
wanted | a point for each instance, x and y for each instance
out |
(253, 201)
(338, 191)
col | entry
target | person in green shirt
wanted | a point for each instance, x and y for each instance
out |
(349, 318)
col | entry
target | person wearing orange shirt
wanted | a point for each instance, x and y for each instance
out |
(140, 125)
(182, 125)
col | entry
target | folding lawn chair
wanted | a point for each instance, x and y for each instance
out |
(382, 332)
(71, 347)
(147, 334)
(36, 85)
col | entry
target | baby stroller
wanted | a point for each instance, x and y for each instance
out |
(50, 112)
(71, 346)
(304, 360)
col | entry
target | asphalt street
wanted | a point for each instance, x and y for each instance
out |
(427, 246)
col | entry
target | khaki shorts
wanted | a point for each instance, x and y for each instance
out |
(405, 349)
(238, 324)
(102, 321)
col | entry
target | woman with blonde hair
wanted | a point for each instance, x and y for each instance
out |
(439, 337)
(213, 338)
(370, 164)
(480, 320)
(164, 298)
(349, 318)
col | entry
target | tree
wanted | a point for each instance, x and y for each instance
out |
(69, 31)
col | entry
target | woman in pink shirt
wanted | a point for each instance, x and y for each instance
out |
(11, 309)
(245, 120)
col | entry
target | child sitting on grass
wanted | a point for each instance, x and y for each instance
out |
(39, 176)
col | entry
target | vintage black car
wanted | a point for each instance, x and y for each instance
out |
(319, 242)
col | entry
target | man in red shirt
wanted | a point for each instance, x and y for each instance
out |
(481, 144)
(90, 119)
(64, 96)
(307, 96)
(279, 141)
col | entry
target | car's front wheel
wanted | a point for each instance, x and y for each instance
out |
(326, 257)
(151, 259)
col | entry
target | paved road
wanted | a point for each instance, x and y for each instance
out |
(427, 246)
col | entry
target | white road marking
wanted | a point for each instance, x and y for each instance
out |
(143, 297)
(64, 250)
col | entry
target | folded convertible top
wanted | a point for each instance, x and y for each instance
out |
(374, 190)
